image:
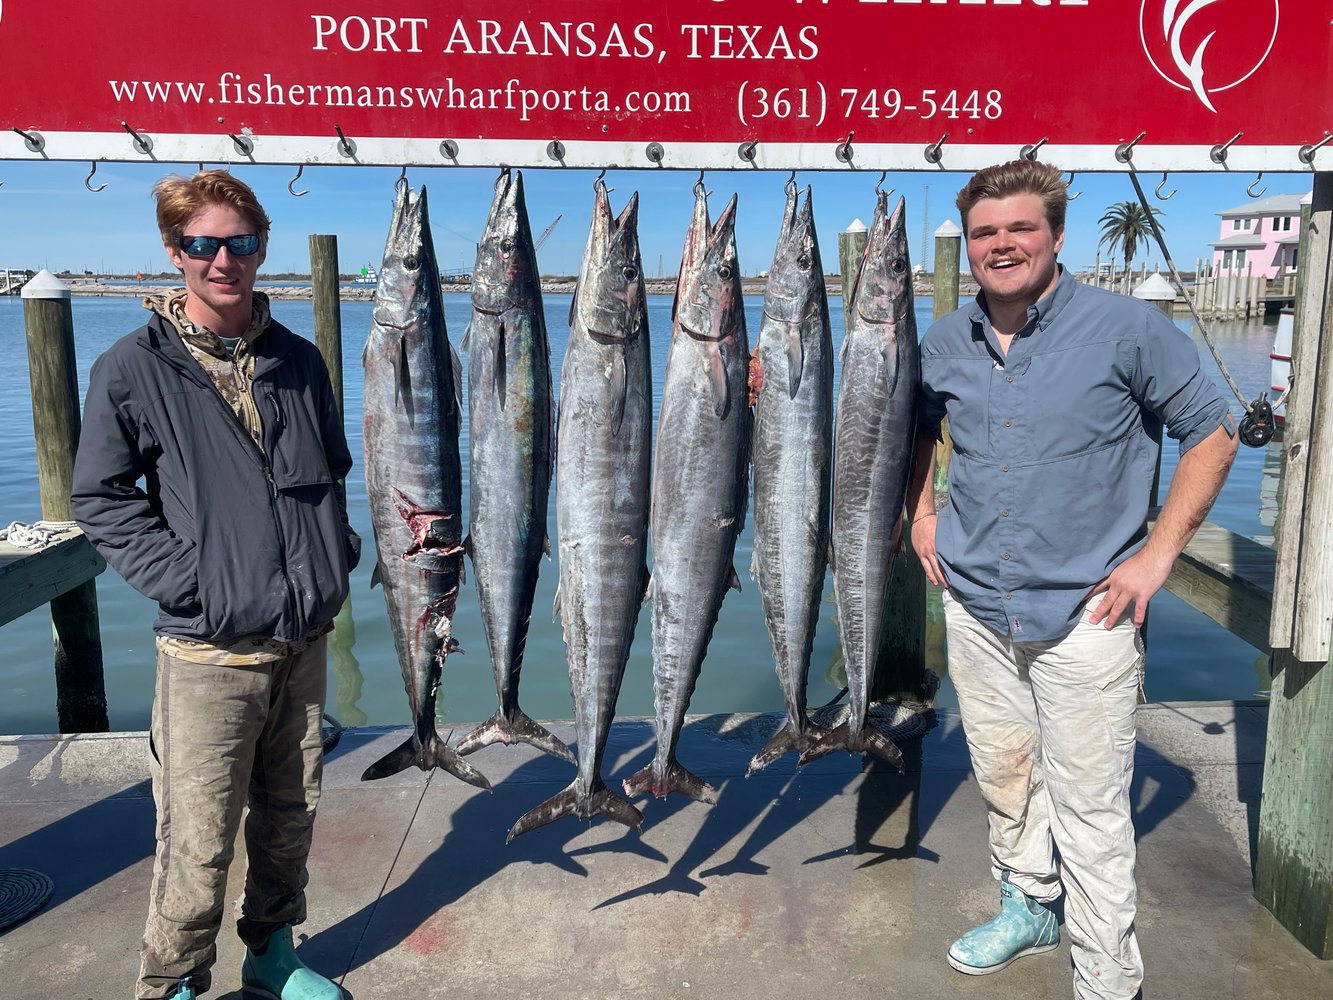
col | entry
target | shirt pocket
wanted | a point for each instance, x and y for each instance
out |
(297, 453)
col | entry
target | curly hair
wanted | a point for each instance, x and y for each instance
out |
(1018, 177)
(180, 199)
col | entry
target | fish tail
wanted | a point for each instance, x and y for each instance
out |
(600, 801)
(672, 778)
(427, 755)
(868, 740)
(519, 729)
(785, 739)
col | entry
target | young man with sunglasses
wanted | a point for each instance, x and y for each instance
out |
(209, 475)
(1057, 394)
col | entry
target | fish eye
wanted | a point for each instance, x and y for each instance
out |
(630, 272)
(411, 263)
(723, 271)
(897, 265)
(803, 262)
(506, 247)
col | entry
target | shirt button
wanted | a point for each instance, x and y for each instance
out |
(1008, 597)
(1005, 557)
(1008, 423)
(1004, 468)
(1004, 513)
(1008, 378)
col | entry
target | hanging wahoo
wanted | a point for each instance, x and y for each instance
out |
(700, 482)
(606, 416)
(792, 373)
(511, 417)
(872, 458)
(414, 478)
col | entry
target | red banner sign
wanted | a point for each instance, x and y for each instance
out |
(901, 84)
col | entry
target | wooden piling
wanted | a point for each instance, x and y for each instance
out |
(328, 308)
(1293, 872)
(851, 248)
(49, 323)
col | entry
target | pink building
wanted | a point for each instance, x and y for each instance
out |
(1261, 236)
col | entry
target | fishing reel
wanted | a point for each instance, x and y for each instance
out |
(1257, 426)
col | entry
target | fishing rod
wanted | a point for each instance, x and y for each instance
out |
(1257, 426)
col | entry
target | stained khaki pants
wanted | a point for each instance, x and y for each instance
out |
(222, 737)
(1050, 727)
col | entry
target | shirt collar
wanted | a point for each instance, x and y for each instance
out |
(1044, 312)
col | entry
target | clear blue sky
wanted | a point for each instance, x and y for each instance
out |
(48, 218)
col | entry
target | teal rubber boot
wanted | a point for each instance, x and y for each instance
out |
(278, 974)
(1023, 927)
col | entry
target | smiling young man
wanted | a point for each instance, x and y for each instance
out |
(209, 475)
(1056, 394)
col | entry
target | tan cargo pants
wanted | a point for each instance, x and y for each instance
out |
(1050, 728)
(223, 737)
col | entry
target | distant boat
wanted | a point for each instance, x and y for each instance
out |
(368, 276)
(1280, 377)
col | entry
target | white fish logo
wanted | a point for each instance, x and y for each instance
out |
(1193, 46)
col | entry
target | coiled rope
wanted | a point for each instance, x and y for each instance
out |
(37, 535)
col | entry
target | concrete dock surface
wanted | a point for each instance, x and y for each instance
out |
(844, 880)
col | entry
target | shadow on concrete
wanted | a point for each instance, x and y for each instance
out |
(121, 825)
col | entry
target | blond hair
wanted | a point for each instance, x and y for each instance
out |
(1018, 177)
(180, 199)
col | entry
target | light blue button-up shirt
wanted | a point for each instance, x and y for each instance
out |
(1055, 446)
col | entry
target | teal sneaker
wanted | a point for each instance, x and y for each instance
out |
(278, 974)
(1023, 927)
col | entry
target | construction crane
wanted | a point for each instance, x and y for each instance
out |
(537, 244)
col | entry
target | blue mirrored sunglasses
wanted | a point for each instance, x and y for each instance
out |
(204, 247)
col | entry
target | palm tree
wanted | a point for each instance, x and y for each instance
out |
(1125, 225)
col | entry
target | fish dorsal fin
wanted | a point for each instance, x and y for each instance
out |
(717, 378)
(619, 387)
(376, 577)
(733, 581)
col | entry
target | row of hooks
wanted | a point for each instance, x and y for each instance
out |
(747, 151)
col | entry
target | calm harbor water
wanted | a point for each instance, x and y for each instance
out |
(1190, 658)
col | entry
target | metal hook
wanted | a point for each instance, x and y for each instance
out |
(1029, 152)
(143, 143)
(1250, 190)
(33, 139)
(1158, 191)
(790, 188)
(746, 150)
(699, 186)
(654, 152)
(1071, 197)
(882, 174)
(401, 182)
(935, 152)
(1125, 151)
(87, 181)
(843, 150)
(1306, 153)
(1218, 154)
(291, 184)
(502, 176)
(346, 146)
(599, 182)
(555, 149)
(449, 149)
